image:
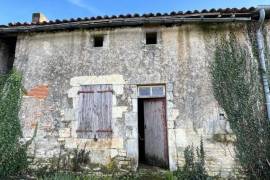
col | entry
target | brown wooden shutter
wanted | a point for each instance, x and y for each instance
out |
(95, 111)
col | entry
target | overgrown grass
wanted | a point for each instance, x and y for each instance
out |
(68, 176)
(72, 176)
(193, 169)
(177, 175)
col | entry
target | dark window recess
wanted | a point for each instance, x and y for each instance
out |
(9, 46)
(151, 38)
(98, 41)
(95, 112)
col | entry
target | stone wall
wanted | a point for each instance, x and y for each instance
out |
(55, 64)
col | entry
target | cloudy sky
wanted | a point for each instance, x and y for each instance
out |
(21, 10)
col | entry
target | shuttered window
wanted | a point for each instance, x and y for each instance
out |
(95, 111)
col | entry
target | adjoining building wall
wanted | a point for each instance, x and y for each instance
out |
(54, 65)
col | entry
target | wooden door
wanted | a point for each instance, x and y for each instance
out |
(156, 151)
(95, 111)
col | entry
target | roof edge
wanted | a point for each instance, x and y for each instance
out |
(173, 18)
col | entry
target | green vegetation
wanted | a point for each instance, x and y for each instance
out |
(194, 167)
(237, 88)
(13, 159)
(73, 176)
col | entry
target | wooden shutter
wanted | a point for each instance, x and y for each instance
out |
(95, 111)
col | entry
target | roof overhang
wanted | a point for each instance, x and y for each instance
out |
(211, 16)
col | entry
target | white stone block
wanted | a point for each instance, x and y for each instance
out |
(131, 119)
(73, 92)
(122, 153)
(88, 80)
(117, 111)
(132, 147)
(181, 139)
(172, 149)
(130, 132)
(114, 100)
(73, 129)
(169, 87)
(118, 89)
(117, 143)
(64, 132)
(169, 96)
(75, 103)
(172, 114)
(134, 91)
(124, 163)
(170, 124)
(170, 105)
(68, 115)
(114, 153)
(134, 105)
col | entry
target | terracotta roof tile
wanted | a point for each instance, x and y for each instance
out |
(211, 13)
(173, 13)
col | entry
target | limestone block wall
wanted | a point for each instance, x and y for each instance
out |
(57, 63)
(102, 150)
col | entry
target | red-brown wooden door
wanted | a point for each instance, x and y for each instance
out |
(155, 129)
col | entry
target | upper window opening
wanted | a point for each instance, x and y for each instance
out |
(151, 38)
(98, 41)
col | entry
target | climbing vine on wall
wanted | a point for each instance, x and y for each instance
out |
(237, 88)
(13, 157)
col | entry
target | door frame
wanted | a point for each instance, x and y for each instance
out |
(166, 148)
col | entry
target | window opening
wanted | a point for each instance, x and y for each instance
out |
(151, 38)
(151, 91)
(98, 41)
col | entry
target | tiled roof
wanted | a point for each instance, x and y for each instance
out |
(212, 15)
(173, 13)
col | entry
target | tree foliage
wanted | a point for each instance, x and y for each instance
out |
(238, 90)
(13, 157)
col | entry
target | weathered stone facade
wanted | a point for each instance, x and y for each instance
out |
(55, 64)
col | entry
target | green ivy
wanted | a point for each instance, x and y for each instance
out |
(13, 157)
(238, 90)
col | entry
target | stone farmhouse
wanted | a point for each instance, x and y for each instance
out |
(133, 88)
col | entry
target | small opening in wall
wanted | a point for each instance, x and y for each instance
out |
(98, 40)
(151, 37)
(221, 114)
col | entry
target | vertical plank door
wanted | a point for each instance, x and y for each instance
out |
(156, 151)
(95, 111)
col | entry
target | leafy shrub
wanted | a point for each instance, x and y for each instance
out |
(194, 167)
(81, 157)
(13, 158)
